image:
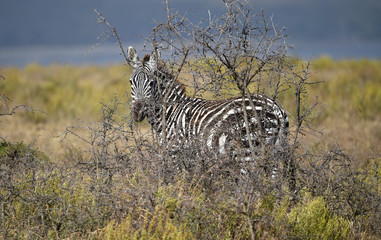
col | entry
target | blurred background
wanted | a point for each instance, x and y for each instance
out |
(63, 31)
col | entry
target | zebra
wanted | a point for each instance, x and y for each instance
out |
(218, 124)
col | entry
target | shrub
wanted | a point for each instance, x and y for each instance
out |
(313, 220)
(156, 225)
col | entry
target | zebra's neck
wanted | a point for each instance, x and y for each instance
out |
(170, 93)
(169, 89)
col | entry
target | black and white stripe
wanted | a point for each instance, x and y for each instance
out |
(219, 125)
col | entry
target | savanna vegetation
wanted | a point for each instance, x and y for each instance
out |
(46, 192)
(73, 165)
(348, 91)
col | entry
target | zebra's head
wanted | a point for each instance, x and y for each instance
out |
(143, 83)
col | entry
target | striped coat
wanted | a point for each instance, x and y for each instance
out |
(218, 125)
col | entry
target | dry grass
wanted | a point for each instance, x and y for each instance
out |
(349, 114)
(62, 96)
(102, 190)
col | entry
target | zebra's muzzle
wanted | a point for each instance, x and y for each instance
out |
(138, 111)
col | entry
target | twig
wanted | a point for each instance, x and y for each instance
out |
(10, 111)
(102, 19)
(168, 15)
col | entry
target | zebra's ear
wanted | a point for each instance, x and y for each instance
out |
(155, 56)
(153, 60)
(132, 57)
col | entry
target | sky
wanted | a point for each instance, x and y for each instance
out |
(48, 31)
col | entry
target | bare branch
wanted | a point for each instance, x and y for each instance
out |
(107, 35)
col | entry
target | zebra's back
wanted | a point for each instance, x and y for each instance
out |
(221, 125)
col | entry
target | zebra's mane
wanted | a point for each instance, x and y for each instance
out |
(145, 59)
(164, 74)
